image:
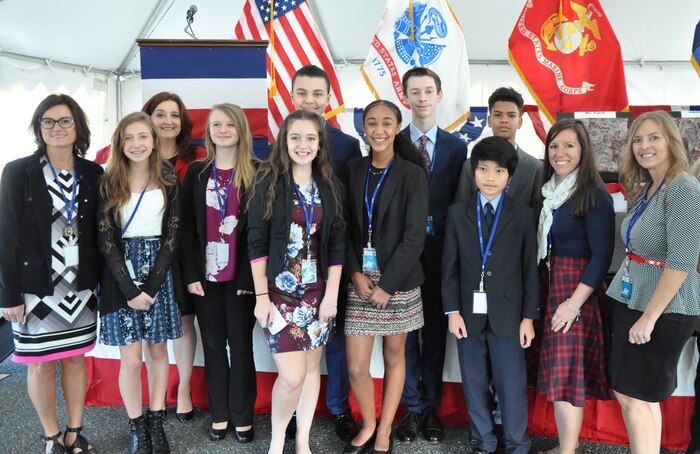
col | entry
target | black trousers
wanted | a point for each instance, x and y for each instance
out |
(227, 318)
(694, 446)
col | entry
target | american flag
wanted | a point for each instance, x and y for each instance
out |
(297, 42)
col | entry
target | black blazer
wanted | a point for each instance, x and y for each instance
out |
(269, 238)
(450, 154)
(511, 281)
(194, 230)
(25, 229)
(399, 230)
(116, 286)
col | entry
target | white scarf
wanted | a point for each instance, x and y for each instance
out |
(555, 195)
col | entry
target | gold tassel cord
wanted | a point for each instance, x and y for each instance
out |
(273, 82)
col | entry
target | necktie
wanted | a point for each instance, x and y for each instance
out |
(424, 152)
(488, 215)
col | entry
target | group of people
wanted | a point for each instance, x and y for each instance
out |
(326, 248)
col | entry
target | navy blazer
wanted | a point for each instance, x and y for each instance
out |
(511, 280)
(194, 230)
(25, 229)
(343, 148)
(450, 154)
(399, 230)
(269, 238)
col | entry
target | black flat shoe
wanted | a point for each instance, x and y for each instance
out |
(217, 434)
(184, 417)
(245, 436)
(391, 447)
(363, 448)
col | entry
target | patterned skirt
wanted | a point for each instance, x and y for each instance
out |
(156, 325)
(403, 314)
(573, 366)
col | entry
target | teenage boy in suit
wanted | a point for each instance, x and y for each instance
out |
(490, 294)
(311, 91)
(444, 156)
(505, 118)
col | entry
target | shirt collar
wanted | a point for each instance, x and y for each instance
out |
(417, 133)
(494, 202)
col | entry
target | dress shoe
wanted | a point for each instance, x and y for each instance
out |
(433, 432)
(391, 446)
(291, 430)
(345, 427)
(409, 427)
(366, 447)
(245, 436)
(184, 417)
(217, 434)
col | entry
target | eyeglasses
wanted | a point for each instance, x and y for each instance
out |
(64, 122)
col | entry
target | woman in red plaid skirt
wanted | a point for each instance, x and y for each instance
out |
(576, 236)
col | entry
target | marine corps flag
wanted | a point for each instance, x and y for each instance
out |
(420, 33)
(568, 56)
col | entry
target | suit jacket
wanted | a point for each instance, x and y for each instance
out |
(269, 238)
(25, 229)
(525, 184)
(511, 281)
(450, 154)
(194, 230)
(399, 227)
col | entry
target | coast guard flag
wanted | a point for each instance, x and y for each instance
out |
(695, 56)
(420, 33)
(295, 41)
(568, 56)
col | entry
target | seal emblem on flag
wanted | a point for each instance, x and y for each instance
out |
(567, 36)
(428, 40)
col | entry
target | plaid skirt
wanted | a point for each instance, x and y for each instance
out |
(573, 366)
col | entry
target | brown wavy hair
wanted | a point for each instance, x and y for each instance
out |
(114, 184)
(245, 169)
(632, 175)
(82, 140)
(183, 141)
(279, 164)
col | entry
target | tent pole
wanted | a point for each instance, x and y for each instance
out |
(146, 30)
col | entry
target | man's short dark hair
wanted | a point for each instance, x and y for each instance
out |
(312, 71)
(506, 94)
(496, 149)
(421, 72)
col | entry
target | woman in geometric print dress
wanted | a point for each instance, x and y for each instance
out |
(219, 280)
(575, 238)
(138, 232)
(296, 247)
(48, 216)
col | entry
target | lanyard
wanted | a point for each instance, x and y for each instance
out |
(70, 205)
(369, 205)
(222, 201)
(138, 203)
(308, 215)
(485, 252)
(637, 214)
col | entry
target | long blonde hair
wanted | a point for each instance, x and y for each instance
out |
(114, 184)
(632, 175)
(245, 170)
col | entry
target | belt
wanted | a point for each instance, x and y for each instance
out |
(638, 259)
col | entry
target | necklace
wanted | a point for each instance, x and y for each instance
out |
(376, 172)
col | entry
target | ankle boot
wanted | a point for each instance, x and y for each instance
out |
(140, 439)
(159, 442)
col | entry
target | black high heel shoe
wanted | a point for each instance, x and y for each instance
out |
(184, 417)
(363, 448)
(245, 436)
(56, 446)
(391, 446)
(217, 434)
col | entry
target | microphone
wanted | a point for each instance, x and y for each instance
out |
(190, 13)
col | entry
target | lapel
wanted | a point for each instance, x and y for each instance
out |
(506, 215)
(440, 159)
(359, 182)
(42, 202)
(390, 184)
(199, 198)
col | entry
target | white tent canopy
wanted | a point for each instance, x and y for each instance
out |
(86, 49)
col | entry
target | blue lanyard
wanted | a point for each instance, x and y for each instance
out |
(369, 205)
(138, 203)
(70, 205)
(485, 251)
(308, 215)
(222, 201)
(638, 213)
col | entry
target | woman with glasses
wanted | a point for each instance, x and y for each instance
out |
(49, 265)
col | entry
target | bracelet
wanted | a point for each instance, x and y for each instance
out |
(576, 313)
(261, 294)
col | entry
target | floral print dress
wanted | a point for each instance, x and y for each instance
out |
(299, 303)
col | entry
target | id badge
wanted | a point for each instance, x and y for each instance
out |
(222, 250)
(132, 274)
(70, 255)
(369, 259)
(308, 271)
(429, 229)
(278, 321)
(480, 306)
(626, 287)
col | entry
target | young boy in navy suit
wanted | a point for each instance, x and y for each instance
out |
(490, 294)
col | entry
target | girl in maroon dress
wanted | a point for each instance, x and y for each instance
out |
(296, 244)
